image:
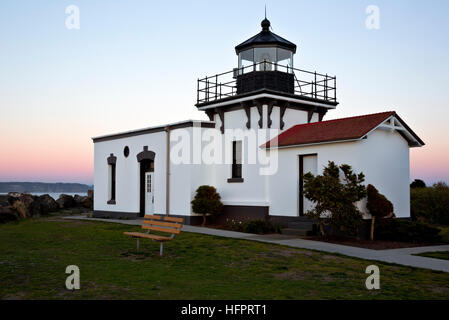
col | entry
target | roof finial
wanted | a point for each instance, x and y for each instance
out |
(265, 22)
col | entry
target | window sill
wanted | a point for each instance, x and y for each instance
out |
(235, 180)
(111, 202)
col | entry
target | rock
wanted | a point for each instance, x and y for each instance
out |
(83, 202)
(35, 207)
(21, 209)
(48, 204)
(65, 201)
(4, 202)
(88, 203)
(13, 197)
(8, 214)
(14, 194)
(32, 208)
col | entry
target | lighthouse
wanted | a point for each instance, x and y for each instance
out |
(141, 172)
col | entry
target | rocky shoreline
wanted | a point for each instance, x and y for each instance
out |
(15, 206)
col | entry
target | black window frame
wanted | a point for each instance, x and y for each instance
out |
(112, 160)
(113, 181)
(236, 168)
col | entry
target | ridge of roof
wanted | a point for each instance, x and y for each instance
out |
(291, 132)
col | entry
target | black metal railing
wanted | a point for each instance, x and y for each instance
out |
(306, 84)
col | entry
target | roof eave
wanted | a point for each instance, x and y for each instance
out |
(311, 143)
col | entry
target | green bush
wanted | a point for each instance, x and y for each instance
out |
(257, 226)
(406, 231)
(335, 195)
(206, 201)
(378, 206)
(430, 205)
(418, 183)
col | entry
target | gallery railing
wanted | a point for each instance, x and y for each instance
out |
(306, 84)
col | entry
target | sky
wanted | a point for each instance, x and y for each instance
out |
(134, 64)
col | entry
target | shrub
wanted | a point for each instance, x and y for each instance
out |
(430, 205)
(335, 197)
(378, 206)
(256, 226)
(406, 231)
(206, 201)
(418, 183)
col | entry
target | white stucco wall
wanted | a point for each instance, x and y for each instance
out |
(127, 172)
(383, 157)
(254, 190)
(184, 177)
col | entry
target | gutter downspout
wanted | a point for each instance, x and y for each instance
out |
(167, 171)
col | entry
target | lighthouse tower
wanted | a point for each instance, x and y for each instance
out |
(266, 86)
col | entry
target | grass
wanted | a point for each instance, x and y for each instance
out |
(444, 255)
(444, 233)
(34, 254)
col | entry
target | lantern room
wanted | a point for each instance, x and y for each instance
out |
(266, 51)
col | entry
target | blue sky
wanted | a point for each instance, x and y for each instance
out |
(134, 64)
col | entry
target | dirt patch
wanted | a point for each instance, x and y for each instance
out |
(439, 289)
(15, 296)
(286, 252)
(68, 223)
(367, 244)
(291, 275)
(139, 256)
(329, 257)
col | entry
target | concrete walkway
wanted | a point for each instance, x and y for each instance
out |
(400, 256)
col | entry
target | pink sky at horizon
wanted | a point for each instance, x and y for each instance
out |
(71, 160)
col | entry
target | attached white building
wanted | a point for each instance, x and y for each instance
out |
(266, 129)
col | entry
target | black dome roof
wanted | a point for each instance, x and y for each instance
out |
(266, 37)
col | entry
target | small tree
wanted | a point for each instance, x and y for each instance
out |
(206, 201)
(378, 206)
(335, 198)
(418, 183)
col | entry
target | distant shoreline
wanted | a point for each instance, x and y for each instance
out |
(43, 187)
(54, 195)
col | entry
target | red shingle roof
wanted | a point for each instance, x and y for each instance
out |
(332, 130)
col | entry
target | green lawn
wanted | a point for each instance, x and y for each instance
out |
(35, 253)
(438, 255)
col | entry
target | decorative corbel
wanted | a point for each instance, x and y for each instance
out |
(210, 113)
(270, 110)
(247, 109)
(321, 115)
(309, 115)
(220, 113)
(281, 115)
(259, 105)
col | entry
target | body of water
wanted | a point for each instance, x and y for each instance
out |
(55, 195)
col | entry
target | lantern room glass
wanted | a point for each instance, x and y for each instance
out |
(276, 59)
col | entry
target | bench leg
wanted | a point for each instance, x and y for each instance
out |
(138, 244)
(161, 249)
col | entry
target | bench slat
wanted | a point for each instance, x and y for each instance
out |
(147, 235)
(162, 223)
(174, 219)
(167, 230)
(149, 216)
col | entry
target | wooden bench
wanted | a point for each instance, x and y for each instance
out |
(165, 224)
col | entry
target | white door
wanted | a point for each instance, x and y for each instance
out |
(149, 193)
(309, 164)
